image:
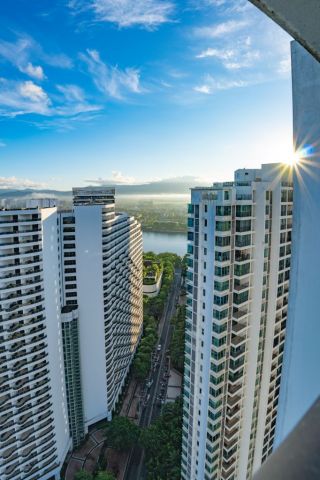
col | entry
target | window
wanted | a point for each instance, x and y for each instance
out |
(68, 220)
(242, 297)
(284, 196)
(190, 249)
(219, 315)
(223, 210)
(222, 256)
(69, 246)
(222, 241)
(221, 271)
(243, 211)
(206, 208)
(226, 194)
(223, 226)
(190, 208)
(242, 269)
(243, 225)
(220, 300)
(221, 286)
(190, 222)
(243, 240)
(205, 237)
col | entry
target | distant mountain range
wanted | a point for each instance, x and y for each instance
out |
(179, 185)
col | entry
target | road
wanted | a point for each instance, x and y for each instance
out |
(151, 411)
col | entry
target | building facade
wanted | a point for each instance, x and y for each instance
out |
(34, 434)
(239, 247)
(70, 321)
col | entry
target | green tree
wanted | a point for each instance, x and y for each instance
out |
(104, 476)
(83, 475)
(122, 433)
(162, 444)
(177, 340)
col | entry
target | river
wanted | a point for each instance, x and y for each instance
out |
(165, 242)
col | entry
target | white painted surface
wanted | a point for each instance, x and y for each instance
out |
(301, 380)
(88, 221)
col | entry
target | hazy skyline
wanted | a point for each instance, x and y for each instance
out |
(135, 91)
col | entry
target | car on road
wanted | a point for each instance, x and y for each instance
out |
(159, 347)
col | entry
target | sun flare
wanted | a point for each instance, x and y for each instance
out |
(293, 158)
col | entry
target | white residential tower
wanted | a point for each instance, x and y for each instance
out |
(237, 293)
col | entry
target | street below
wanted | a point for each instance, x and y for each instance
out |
(156, 385)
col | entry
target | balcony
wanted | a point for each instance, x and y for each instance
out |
(240, 286)
(238, 327)
(239, 313)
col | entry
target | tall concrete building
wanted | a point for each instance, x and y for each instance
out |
(34, 434)
(239, 248)
(71, 318)
(101, 265)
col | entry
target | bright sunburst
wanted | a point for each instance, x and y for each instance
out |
(294, 158)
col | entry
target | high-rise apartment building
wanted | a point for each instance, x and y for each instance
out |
(101, 265)
(34, 434)
(239, 247)
(70, 321)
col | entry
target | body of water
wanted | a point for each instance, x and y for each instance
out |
(165, 242)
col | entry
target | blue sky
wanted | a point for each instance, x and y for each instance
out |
(101, 91)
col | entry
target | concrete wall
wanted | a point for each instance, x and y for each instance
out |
(91, 314)
(301, 380)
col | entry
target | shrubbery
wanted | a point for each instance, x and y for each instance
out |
(177, 340)
(162, 444)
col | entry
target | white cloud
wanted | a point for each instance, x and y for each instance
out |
(221, 29)
(110, 80)
(18, 98)
(148, 14)
(33, 71)
(20, 53)
(17, 53)
(244, 39)
(241, 56)
(203, 89)
(2, 144)
(214, 52)
(18, 183)
(212, 85)
(117, 179)
(72, 92)
(285, 66)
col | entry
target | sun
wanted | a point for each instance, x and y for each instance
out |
(293, 158)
